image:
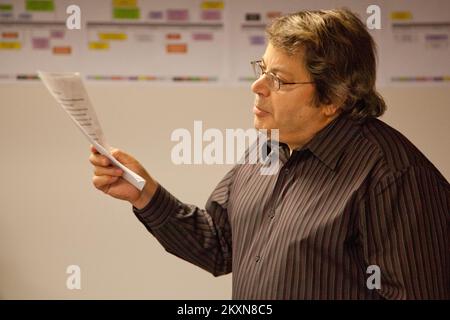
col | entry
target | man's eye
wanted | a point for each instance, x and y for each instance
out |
(282, 81)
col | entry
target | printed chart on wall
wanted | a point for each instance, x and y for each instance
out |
(200, 41)
(156, 40)
(124, 40)
(33, 35)
(416, 48)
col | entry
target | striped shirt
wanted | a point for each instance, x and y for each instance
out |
(359, 196)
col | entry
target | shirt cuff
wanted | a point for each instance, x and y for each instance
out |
(158, 210)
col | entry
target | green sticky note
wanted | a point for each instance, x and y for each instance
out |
(40, 5)
(126, 13)
(5, 7)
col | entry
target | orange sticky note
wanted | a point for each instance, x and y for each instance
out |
(176, 48)
(10, 35)
(173, 36)
(62, 50)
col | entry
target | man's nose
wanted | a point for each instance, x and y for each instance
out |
(260, 86)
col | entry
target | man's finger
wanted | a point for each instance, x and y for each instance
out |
(99, 160)
(102, 182)
(107, 171)
(93, 150)
(121, 156)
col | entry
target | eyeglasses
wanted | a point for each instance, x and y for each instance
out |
(274, 81)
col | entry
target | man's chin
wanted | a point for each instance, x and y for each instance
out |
(261, 124)
(258, 124)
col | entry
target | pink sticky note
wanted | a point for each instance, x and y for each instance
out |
(41, 43)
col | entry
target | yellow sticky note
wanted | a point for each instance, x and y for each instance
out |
(212, 5)
(10, 45)
(98, 45)
(124, 3)
(401, 15)
(112, 36)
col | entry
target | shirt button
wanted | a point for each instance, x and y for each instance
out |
(271, 213)
(257, 258)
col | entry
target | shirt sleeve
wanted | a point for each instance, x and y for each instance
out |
(404, 228)
(199, 236)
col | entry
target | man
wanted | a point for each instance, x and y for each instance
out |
(352, 194)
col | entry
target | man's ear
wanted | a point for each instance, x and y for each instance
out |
(331, 110)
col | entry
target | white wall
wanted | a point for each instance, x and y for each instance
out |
(51, 216)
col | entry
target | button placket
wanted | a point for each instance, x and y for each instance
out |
(274, 200)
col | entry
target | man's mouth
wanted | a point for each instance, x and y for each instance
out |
(259, 112)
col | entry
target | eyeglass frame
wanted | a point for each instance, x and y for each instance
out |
(259, 64)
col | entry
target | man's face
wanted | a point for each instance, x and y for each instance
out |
(289, 109)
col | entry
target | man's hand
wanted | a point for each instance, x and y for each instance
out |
(108, 178)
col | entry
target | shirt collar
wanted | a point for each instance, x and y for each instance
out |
(330, 142)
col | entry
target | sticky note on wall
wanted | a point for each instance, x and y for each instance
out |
(40, 43)
(25, 16)
(124, 3)
(212, 5)
(257, 40)
(10, 35)
(252, 17)
(202, 36)
(5, 15)
(56, 34)
(177, 15)
(211, 15)
(40, 5)
(62, 50)
(176, 48)
(98, 45)
(10, 45)
(112, 36)
(6, 7)
(126, 13)
(273, 14)
(401, 15)
(157, 15)
(173, 36)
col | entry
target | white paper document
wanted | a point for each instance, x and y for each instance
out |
(68, 90)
